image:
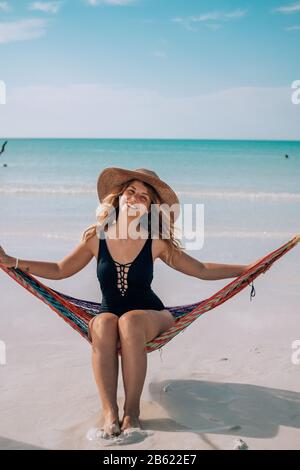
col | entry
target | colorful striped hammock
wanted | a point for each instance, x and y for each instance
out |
(77, 313)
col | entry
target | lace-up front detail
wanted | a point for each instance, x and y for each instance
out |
(123, 268)
(122, 271)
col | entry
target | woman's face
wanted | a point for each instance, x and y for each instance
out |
(135, 199)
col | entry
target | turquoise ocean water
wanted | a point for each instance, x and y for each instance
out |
(248, 188)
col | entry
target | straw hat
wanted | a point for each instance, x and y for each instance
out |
(111, 177)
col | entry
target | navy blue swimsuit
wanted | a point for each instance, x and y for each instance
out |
(127, 286)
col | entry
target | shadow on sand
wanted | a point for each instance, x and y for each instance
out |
(224, 408)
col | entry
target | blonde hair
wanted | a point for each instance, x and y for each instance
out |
(110, 203)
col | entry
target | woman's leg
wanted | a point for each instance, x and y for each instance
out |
(104, 335)
(136, 328)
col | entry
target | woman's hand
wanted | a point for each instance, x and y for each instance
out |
(6, 260)
(268, 267)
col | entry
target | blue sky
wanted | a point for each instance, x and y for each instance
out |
(150, 68)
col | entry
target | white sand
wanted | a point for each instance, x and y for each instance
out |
(227, 377)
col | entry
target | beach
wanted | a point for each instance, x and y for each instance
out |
(228, 376)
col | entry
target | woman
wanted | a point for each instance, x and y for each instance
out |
(125, 244)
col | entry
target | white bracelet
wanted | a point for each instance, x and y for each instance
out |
(17, 262)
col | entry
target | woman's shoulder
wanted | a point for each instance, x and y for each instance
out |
(159, 247)
(93, 245)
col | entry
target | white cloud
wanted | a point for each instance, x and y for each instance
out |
(212, 16)
(4, 6)
(110, 2)
(99, 110)
(22, 30)
(235, 14)
(287, 9)
(293, 28)
(190, 21)
(46, 7)
(220, 16)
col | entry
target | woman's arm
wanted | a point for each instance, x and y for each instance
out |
(208, 271)
(68, 266)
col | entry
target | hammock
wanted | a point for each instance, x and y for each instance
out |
(77, 313)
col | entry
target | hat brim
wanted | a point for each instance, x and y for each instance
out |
(111, 178)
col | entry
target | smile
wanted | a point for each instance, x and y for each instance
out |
(133, 206)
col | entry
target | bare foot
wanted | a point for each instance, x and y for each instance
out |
(130, 421)
(111, 426)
